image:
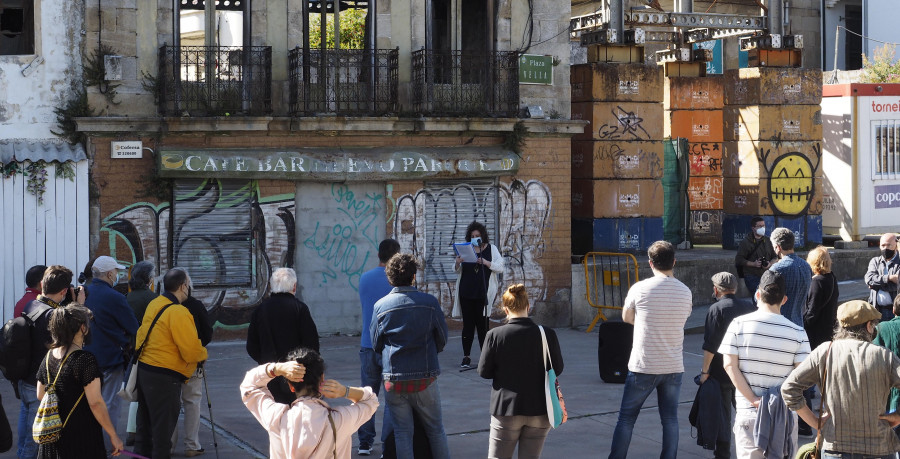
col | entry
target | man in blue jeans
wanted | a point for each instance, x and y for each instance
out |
(658, 307)
(409, 330)
(373, 285)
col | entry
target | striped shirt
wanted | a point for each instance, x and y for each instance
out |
(767, 345)
(661, 306)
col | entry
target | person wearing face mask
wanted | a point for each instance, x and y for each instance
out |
(882, 276)
(171, 352)
(754, 255)
(113, 329)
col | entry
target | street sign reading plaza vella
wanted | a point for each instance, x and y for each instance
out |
(338, 165)
(534, 69)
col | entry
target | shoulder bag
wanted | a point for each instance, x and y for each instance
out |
(129, 388)
(48, 426)
(556, 405)
(814, 450)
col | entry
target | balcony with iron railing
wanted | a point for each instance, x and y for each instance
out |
(346, 82)
(215, 80)
(458, 83)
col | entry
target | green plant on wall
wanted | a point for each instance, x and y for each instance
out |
(353, 30)
(36, 174)
(76, 106)
(883, 68)
(95, 72)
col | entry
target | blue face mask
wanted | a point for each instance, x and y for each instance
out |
(120, 277)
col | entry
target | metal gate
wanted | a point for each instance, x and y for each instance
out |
(608, 276)
(449, 208)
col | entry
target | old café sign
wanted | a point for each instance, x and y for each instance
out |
(344, 164)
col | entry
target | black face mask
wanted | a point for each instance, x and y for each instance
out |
(887, 253)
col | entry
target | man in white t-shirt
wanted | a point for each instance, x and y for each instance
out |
(760, 350)
(658, 307)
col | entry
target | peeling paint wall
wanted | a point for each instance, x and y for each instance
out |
(27, 100)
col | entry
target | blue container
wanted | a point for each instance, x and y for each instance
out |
(652, 231)
(813, 230)
(795, 224)
(629, 231)
(735, 228)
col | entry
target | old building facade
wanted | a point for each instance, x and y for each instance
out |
(252, 151)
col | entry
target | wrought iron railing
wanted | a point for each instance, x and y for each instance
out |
(458, 83)
(215, 80)
(352, 82)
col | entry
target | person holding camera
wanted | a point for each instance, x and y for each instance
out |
(476, 287)
(56, 291)
(754, 255)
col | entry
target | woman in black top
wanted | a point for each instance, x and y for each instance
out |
(476, 287)
(77, 388)
(820, 313)
(513, 356)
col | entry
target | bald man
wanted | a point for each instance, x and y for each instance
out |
(883, 275)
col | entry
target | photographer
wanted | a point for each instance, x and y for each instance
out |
(754, 255)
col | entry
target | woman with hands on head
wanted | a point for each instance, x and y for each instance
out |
(308, 427)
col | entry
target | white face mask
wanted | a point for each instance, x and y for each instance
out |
(761, 231)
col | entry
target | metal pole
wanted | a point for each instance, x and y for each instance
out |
(617, 19)
(212, 423)
(776, 17)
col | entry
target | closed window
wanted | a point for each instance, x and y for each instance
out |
(886, 148)
(16, 27)
(212, 231)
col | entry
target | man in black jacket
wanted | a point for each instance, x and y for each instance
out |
(279, 325)
(754, 255)
(883, 276)
(718, 317)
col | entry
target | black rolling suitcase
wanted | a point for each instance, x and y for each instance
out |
(613, 351)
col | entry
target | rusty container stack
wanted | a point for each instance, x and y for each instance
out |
(617, 163)
(772, 152)
(694, 111)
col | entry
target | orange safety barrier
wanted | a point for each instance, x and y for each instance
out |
(608, 276)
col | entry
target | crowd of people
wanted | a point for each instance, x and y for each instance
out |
(763, 357)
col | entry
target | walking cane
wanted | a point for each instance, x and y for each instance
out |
(212, 423)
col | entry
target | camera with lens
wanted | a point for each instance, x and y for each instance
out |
(763, 262)
(71, 294)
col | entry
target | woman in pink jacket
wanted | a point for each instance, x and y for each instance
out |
(308, 427)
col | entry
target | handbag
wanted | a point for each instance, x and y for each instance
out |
(48, 426)
(556, 405)
(814, 450)
(129, 388)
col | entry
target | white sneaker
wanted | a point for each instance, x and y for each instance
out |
(364, 450)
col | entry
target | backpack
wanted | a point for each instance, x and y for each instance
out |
(48, 425)
(15, 343)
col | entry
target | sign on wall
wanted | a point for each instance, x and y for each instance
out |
(887, 196)
(338, 165)
(534, 69)
(130, 149)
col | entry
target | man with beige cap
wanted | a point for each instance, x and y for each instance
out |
(856, 387)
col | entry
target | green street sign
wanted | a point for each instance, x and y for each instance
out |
(534, 69)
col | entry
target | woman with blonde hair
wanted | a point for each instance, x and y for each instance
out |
(820, 312)
(513, 356)
(75, 376)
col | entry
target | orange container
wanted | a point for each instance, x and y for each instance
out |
(696, 125)
(705, 159)
(614, 159)
(616, 198)
(698, 93)
(705, 193)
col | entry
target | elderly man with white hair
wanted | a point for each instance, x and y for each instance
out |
(279, 325)
(883, 276)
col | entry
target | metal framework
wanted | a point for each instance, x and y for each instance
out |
(454, 83)
(215, 80)
(615, 26)
(607, 278)
(352, 82)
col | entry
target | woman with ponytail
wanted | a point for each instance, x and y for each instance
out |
(75, 376)
(513, 356)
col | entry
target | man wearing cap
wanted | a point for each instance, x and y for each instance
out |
(883, 276)
(718, 318)
(113, 329)
(759, 351)
(859, 376)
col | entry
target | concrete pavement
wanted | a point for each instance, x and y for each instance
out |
(592, 404)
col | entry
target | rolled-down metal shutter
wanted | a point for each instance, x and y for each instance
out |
(212, 235)
(449, 208)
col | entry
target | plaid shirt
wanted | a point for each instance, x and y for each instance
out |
(409, 386)
(797, 277)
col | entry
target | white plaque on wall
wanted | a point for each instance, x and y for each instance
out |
(130, 149)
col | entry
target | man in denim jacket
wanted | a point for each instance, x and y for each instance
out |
(409, 330)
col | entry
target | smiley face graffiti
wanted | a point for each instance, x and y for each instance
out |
(791, 184)
(792, 181)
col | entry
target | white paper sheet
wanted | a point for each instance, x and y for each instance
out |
(466, 251)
